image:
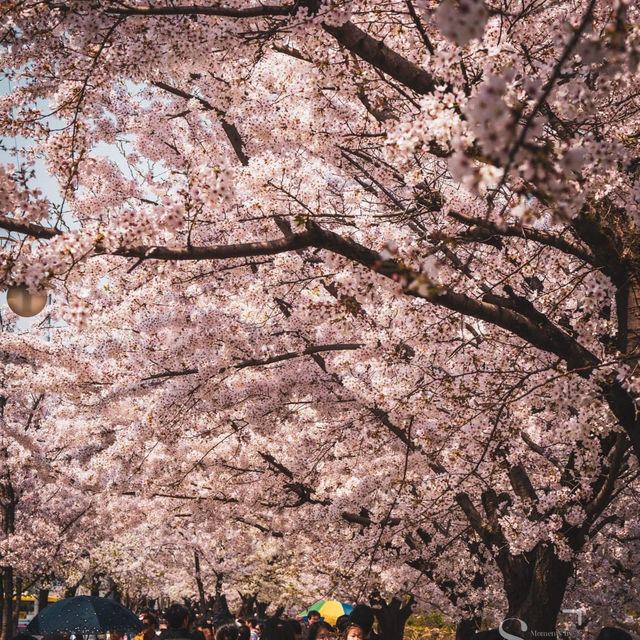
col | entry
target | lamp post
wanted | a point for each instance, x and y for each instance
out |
(23, 303)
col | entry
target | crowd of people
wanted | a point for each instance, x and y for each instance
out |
(181, 623)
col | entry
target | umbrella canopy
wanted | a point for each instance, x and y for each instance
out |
(330, 610)
(84, 614)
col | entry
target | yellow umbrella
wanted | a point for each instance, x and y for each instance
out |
(329, 610)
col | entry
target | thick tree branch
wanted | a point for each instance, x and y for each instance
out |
(529, 324)
(270, 247)
(377, 53)
(512, 314)
(473, 516)
(225, 12)
(28, 228)
(601, 500)
(521, 483)
(348, 35)
(528, 233)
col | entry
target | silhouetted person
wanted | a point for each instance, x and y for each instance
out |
(177, 617)
(613, 633)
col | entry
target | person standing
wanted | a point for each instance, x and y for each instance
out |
(313, 617)
(149, 627)
(177, 617)
(254, 629)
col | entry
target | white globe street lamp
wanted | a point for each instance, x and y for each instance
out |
(23, 303)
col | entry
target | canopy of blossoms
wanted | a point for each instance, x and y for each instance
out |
(344, 295)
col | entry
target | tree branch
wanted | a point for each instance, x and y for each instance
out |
(601, 500)
(528, 233)
(28, 228)
(255, 362)
(230, 130)
(512, 314)
(473, 515)
(225, 12)
(377, 53)
(348, 35)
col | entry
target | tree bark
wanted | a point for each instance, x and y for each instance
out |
(247, 609)
(16, 606)
(466, 629)
(114, 591)
(8, 502)
(199, 584)
(43, 599)
(6, 630)
(628, 309)
(392, 616)
(70, 591)
(535, 584)
(261, 608)
(95, 586)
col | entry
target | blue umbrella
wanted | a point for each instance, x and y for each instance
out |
(84, 614)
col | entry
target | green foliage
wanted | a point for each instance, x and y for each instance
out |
(429, 626)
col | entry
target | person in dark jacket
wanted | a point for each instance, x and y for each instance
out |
(177, 617)
(362, 617)
(613, 633)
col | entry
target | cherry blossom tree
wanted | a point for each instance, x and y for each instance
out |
(363, 276)
(44, 503)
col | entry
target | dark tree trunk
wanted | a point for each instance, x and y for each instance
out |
(95, 586)
(1, 597)
(535, 584)
(199, 584)
(43, 599)
(467, 628)
(261, 608)
(70, 591)
(6, 629)
(247, 609)
(8, 503)
(392, 616)
(16, 606)
(220, 607)
(115, 592)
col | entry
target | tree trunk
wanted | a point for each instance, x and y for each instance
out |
(220, 606)
(261, 608)
(248, 604)
(535, 584)
(43, 599)
(466, 629)
(392, 616)
(8, 503)
(628, 304)
(1, 597)
(199, 584)
(70, 591)
(95, 586)
(6, 630)
(114, 591)
(16, 606)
